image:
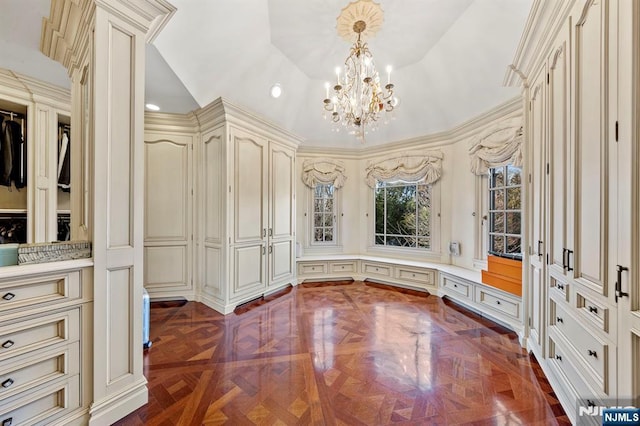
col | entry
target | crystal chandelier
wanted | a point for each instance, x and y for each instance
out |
(358, 99)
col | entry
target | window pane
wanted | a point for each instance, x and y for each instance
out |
(513, 244)
(513, 223)
(318, 191)
(317, 234)
(328, 220)
(497, 199)
(318, 205)
(497, 222)
(497, 243)
(513, 198)
(514, 176)
(423, 197)
(497, 177)
(317, 220)
(328, 234)
(401, 211)
(328, 191)
(328, 205)
(402, 214)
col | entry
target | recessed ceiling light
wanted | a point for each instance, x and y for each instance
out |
(276, 90)
(152, 107)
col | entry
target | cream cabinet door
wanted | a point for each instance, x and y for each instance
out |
(592, 177)
(560, 153)
(168, 209)
(536, 273)
(248, 214)
(281, 214)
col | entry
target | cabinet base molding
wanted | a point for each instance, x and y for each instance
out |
(108, 410)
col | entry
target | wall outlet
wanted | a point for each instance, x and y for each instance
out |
(454, 248)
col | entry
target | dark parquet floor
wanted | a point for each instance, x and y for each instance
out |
(339, 354)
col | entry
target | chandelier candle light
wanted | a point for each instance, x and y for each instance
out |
(357, 99)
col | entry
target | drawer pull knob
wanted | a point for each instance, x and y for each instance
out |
(8, 344)
(593, 353)
(455, 285)
(559, 319)
(8, 296)
(7, 383)
(497, 302)
(558, 357)
(593, 309)
(413, 275)
(7, 422)
(560, 287)
(376, 269)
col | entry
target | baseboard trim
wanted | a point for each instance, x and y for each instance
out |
(116, 406)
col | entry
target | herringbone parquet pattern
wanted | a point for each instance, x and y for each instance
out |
(339, 354)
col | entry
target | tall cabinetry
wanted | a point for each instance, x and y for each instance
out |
(579, 186)
(247, 199)
(169, 140)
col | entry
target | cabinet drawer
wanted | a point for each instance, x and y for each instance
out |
(44, 405)
(339, 267)
(593, 311)
(560, 286)
(376, 269)
(419, 276)
(35, 291)
(457, 288)
(592, 353)
(312, 268)
(37, 333)
(28, 372)
(501, 304)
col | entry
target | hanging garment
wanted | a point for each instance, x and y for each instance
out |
(64, 172)
(19, 157)
(7, 155)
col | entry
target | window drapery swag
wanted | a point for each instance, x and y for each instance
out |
(323, 170)
(424, 167)
(500, 145)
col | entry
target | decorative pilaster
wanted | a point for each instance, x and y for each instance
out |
(102, 45)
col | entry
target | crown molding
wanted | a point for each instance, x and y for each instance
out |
(167, 122)
(222, 111)
(66, 32)
(29, 90)
(434, 140)
(543, 24)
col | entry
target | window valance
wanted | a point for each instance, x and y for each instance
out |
(500, 145)
(323, 170)
(410, 167)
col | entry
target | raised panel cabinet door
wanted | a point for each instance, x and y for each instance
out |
(538, 137)
(592, 179)
(559, 156)
(281, 262)
(250, 187)
(168, 208)
(248, 271)
(281, 194)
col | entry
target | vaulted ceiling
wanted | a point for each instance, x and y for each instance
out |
(449, 59)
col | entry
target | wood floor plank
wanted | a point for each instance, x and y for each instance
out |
(339, 354)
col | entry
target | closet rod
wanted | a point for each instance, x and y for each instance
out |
(11, 114)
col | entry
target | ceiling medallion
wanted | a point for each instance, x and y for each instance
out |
(357, 99)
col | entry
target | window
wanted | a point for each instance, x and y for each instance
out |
(324, 217)
(403, 215)
(505, 188)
